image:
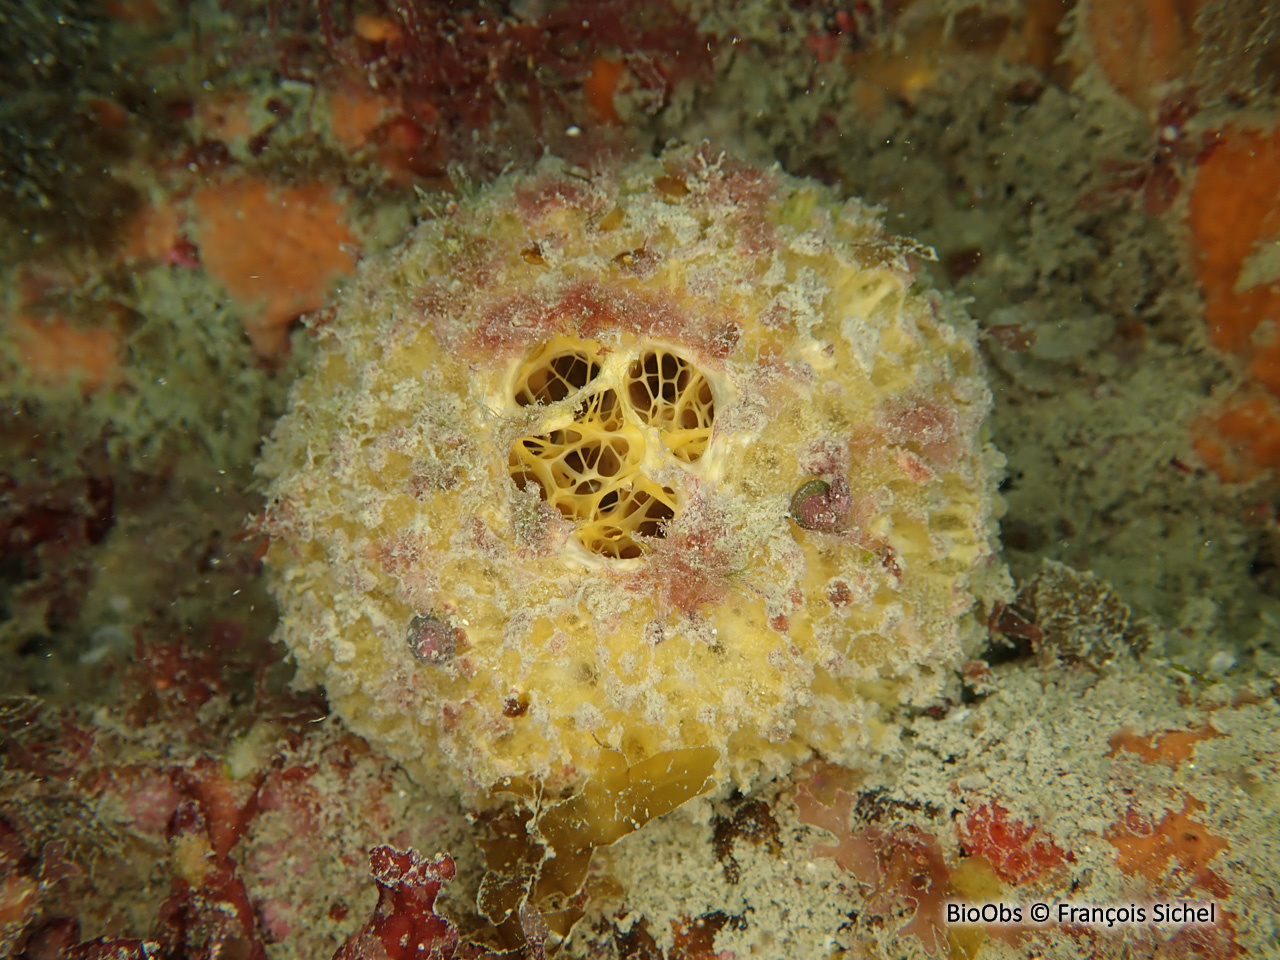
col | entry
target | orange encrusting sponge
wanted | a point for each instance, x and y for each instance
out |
(56, 352)
(1234, 209)
(276, 251)
(600, 87)
(1175, 851)
(1142, 45)
(1235, 205)
(1240, 441)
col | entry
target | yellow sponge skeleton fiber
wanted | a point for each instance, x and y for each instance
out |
(680, 455)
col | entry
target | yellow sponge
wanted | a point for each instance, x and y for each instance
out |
(590, 470)
(603, 465)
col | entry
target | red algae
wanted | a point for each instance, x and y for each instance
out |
(453, 71)
(900, 865)
(404, 925)
(1017, 850)
(588, 307)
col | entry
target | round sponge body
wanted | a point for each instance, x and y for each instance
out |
(604, 465)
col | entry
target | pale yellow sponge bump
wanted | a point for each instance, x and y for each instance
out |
(680, 458)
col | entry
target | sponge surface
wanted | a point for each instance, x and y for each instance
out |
(603, 465)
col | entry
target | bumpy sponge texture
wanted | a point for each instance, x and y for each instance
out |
(606, 464)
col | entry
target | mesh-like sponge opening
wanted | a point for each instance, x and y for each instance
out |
(591, 474)
(590, 471)
(670, 393)
(556, 369)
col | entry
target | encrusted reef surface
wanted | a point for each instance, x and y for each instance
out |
(633, 503)
(671, 457)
